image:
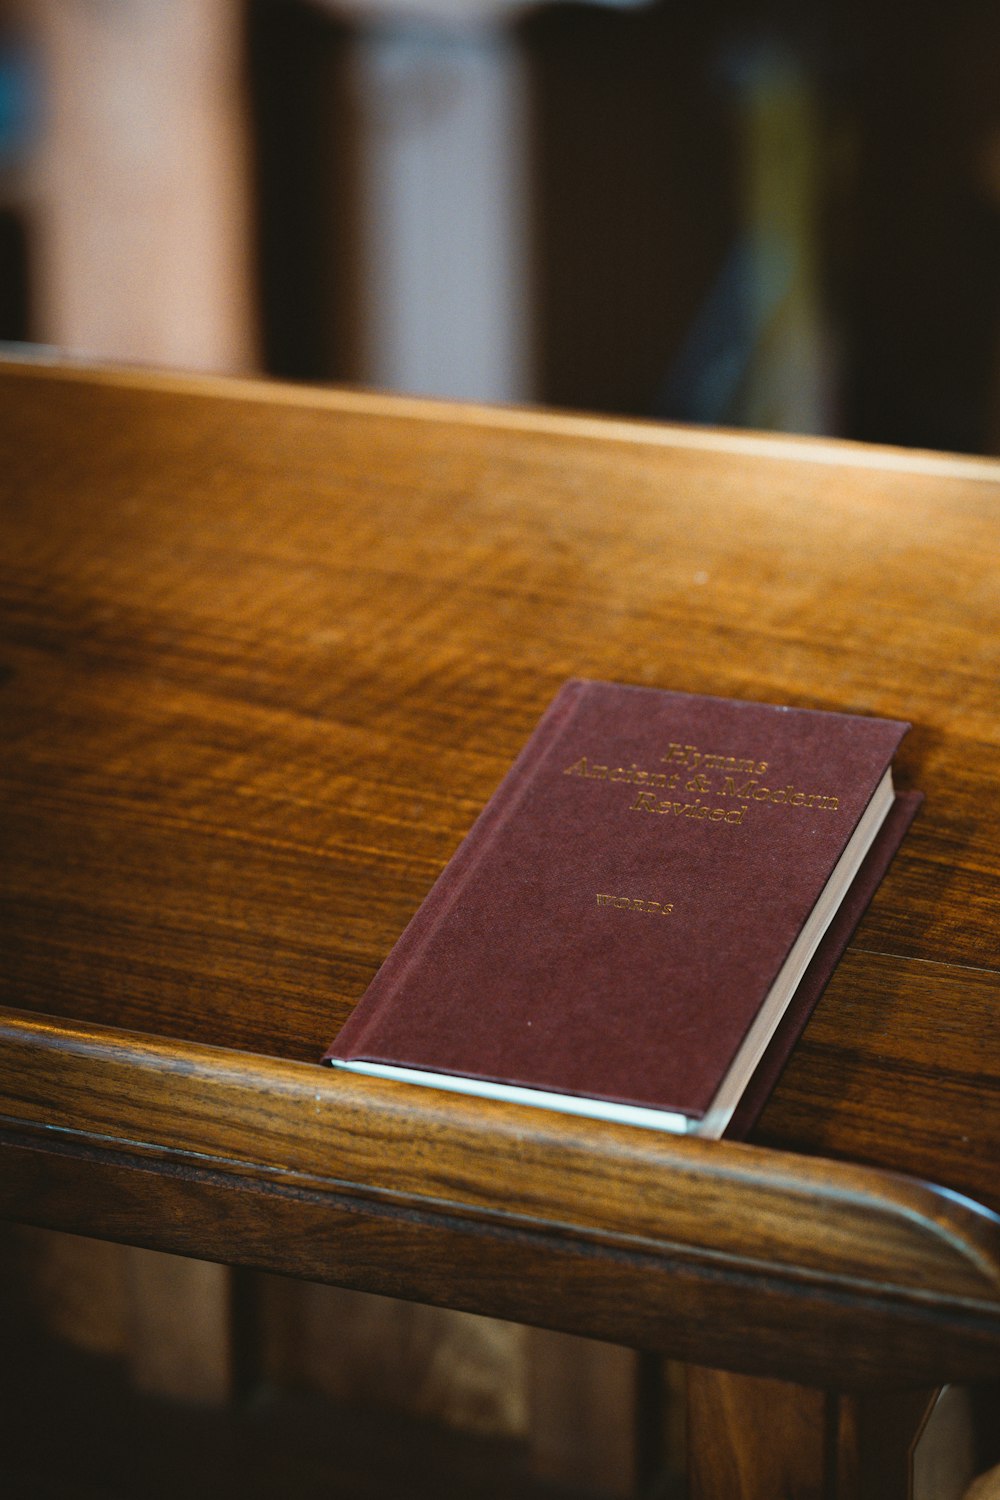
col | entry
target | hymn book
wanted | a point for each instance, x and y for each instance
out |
(640, 921)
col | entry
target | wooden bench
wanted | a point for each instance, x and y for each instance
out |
(265, 652)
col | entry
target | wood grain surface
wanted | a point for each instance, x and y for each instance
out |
(265, 653)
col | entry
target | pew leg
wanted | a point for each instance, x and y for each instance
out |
(760, 1438)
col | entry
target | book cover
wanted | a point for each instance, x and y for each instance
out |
(644, 913)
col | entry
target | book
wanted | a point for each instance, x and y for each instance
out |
(644, 914)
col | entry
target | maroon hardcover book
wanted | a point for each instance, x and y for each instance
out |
(640, 921)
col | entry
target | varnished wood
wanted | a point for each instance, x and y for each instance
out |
(180, 1341)
(756, 1438)
(583, 1404)
(761, 1438)
(465, 1372)
(266, 653)
(876, 1437)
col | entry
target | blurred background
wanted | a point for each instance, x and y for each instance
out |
(757, 213)
(775, 214)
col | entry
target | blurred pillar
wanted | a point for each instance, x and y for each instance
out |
(443, 232)
(445, 253)
(144, 244)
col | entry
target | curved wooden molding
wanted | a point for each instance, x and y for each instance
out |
(821, 1230)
